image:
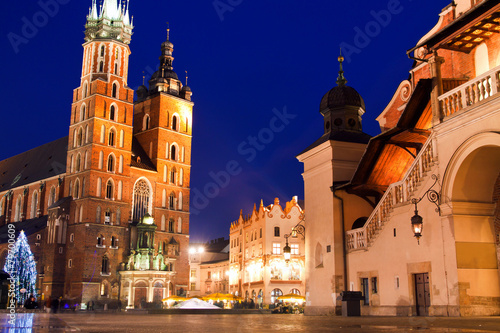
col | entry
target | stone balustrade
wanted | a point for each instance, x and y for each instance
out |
(471, 92)
(396, 194)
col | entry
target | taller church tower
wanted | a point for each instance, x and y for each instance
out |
(99, 156)
(329, 162)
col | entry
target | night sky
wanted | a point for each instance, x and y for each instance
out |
(258, 70)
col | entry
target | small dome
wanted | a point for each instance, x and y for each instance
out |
(165, 74)
(167, 44)
(341, 96)
(186, 88)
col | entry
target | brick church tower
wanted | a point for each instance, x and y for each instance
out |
(124, 162)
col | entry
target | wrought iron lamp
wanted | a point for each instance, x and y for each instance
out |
(299, 228)
(417, 222)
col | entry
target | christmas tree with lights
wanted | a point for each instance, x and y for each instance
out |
(21, 266)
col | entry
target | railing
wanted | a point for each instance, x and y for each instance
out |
(471, 92)
(397, 193)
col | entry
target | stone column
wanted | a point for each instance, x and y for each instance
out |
(437, 87)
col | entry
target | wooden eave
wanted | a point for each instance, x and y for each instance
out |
(467, 31)
(389, 155)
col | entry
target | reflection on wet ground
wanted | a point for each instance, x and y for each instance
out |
(32, 322)
(135, 322)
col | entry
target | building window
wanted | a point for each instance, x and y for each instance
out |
(109, 190)
(114, 242)
(276, 248)
(276, 231)
(275, 293)
(111, 163)
(172, 175)
(145, 125)
(112, 112)
(105, 265)
(260, 233)
(107, 217)
(193, 273)
(70, 263)
(115, 90)
(102, 51)
(72, 238)
(294, 248)
(171, 201)
(141, 199)
(60, 250)
(100, 241)
(193, 286)
(171, 225)
(175, 123)
(173, 153)
(111, 137)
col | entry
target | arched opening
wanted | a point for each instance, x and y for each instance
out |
(359, 223)
(275, 293)
(481, 60)
(141, 199)
(109, 190)
(114, 92)
(173, 153)
(469, 189)
(112, 112)
(111, 163)
(175, 123)
(145, 124)
(111, 137)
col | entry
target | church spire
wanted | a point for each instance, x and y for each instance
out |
(341, 80)
(112, 21)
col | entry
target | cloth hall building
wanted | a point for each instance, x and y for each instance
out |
(106, 209)
(412, 215)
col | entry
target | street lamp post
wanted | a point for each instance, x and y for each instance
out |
(417, 222)
(299, 228)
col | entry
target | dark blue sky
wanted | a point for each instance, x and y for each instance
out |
(258, 69)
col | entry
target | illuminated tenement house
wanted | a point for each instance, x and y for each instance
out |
(258, 270)
(412, 215)
(106, 209)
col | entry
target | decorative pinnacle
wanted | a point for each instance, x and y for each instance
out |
(186, 78)
(168, 31)
(341, 81)
(143, 77)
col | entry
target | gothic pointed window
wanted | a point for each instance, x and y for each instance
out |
(111, 163)
(76, 189)
(142, 198)
(102, 51)
(116, 68)
(34, 204)
(175, 123)
(109, 190)
(112, 112)
(78, 163)
(105, 267)
(171, 225)
(173, 174)
(145, 125)
(111, 137)
(101, 67)
(173, 153)
(171, 201)
(115, 90)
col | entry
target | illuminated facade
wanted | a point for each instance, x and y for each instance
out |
(83, 197)
(443, 121)
(258, 269)
(209, 267)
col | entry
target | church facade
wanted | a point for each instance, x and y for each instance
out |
(410, 218)
(106, 209)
